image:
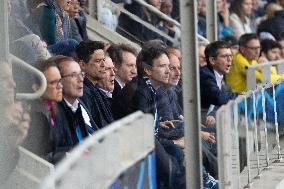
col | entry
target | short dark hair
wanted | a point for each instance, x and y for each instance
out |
(232, 40)
(244, 39)
(115, 52)
(147, 55)
(211, 50)
(268, 44)
(85, 49)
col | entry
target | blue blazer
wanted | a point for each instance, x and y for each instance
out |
(209, 90)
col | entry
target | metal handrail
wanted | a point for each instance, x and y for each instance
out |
(150, 26)
(41, 77)
(158, 12)
(270, 63)
(265, 68)
(166, 17)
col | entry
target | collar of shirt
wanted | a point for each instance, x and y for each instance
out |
(73, 106)
(119, 83)
(107, 93)
(219, 78)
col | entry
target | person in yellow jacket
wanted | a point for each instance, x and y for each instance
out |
(248, 54)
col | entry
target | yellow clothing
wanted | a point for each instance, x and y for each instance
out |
(237, 77)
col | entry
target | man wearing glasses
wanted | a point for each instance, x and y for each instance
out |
(219, 59)
(73, 121)
(248, 54)
(91, 58)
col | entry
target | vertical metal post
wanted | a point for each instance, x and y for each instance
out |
(276, 125)
(211, 20)
(255, 135)
(191, 96)
(92, 8)
(99, 7)
(265, 127)
(4, 35)
(247, 143)
(236, 130)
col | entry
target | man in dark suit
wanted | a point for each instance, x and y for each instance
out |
(72, 117)
(124, 59)
(91, 57)
(219, 59)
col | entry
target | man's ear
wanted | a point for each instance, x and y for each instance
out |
(82, 65)
(35, 87)
(148, 71)
(241, 49)
(212, 60)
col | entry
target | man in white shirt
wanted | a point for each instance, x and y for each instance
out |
(73, 120)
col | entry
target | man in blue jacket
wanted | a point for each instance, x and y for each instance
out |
(219, 59)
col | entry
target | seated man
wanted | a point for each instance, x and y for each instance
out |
(248, 54)
(219, 59)
(124, 59)
(106, 84)
(92, 61)
(74, 121)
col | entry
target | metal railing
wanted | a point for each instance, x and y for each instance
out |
(266, 73)
(108, 3)
(101, 159)
(248, 131)
(37, 73)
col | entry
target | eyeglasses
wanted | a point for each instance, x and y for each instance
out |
(227, 56)
(75, 75)
(253, 48)
(55, 83)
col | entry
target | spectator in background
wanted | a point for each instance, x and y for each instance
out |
(133, 30)
(233, 43)
(170, 28)
(273, 25)
(270, 50)
(107, 18)
(83, 5)
(50, 21)
(248, 54)
(270, 9)
(201, 10)
(78, 22)
(223, 19)
(239, 19)
(124, 59)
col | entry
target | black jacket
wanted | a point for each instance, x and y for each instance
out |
(136, 95)
(274, 25)
(96, 104)
(52, 142)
